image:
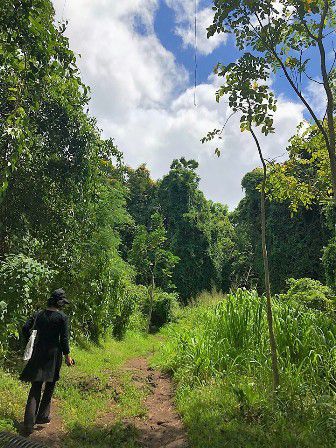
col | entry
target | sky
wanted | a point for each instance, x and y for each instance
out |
(137, 56)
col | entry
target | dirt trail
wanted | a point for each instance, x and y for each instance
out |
(162, 427)
(50, 435)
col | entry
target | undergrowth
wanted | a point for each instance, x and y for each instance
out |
(94, 387)
(219, 355)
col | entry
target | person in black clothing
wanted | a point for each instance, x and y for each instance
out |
(44, 366)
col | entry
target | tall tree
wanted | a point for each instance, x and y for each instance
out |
(34, 60)
(288, 36)
(153, 261)
(221, 239)
(142, 193)
(47, 142)
(255, 104)
(190, 221)
(141, 203)
(62, 201)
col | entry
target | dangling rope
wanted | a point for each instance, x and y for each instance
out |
(63, 10)
(195, 56)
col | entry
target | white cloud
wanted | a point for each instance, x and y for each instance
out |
(317, 97)
(140, 97)
(125, 69)
(176, 131)
(185, 26)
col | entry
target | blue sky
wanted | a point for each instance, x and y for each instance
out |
(225, 53)
(164, 27)
(138, 58)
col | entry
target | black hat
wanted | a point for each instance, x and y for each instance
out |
(58, 297)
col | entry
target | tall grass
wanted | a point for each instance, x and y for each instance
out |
(225, 344)
(215, 339)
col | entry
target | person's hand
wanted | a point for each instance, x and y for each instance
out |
(69, 361)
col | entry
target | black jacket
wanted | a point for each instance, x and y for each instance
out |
(52, 340)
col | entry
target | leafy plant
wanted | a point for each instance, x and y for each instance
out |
(310, 293)
(25, 286)
(165, 307)
(219, 354)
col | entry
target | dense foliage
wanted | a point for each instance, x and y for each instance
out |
(309, 293)
(200, 232)
(219, 354)
(125, 246)
(197, 232)
(62, 201)
(295, 241)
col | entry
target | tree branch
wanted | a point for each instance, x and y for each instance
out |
(312, 79)
(269, 45)
(323, 18)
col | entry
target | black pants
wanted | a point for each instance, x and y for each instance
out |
(37, 408)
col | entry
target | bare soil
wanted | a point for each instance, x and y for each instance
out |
(162, 427)
(50, 435)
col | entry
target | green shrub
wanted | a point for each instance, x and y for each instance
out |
(215, 340)
(329, 263)
(220, 356)
(310, 293)
(164, 309)
(25, 286)
(127, 309)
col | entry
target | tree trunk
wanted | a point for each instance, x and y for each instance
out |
(273, 345)
(3, 232)
(330, 117)
(332, 160)
(329, 135)
(151, 302)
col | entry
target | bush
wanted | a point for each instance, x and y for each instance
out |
(127, 314)
(25, 287)
(310, 293)
(215, 340)
(164, 309)
(220, 356)
(329, 263)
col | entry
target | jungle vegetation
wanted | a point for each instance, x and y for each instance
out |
(137, 254)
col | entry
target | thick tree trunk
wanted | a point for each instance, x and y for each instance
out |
(270, 321)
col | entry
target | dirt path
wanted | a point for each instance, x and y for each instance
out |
(162, 427)
(51, 434)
